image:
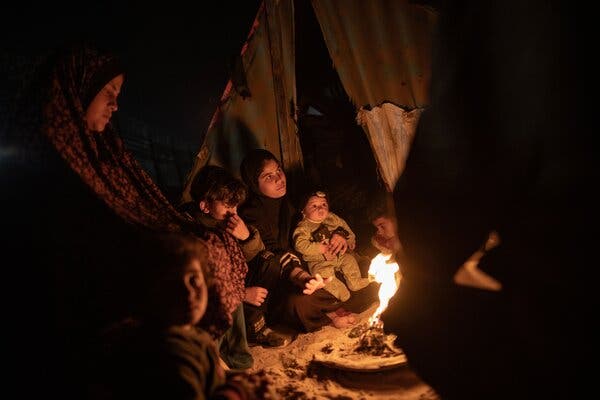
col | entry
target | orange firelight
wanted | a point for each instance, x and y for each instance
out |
(385, 272)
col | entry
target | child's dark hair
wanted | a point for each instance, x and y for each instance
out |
(252, 166)
(380, 206)
(161, 253)
(214, 183)
(158, 257)
(316, 191)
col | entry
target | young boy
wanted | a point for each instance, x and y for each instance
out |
(381, 215)
(323, 239)
(217, 194)
(163, 353)
(385, 239)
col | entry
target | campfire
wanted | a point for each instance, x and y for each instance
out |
(369, 349)
(372, 338)
(386, 272)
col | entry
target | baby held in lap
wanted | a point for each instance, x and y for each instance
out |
(325, 241)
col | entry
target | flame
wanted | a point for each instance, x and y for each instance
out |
(385, 272)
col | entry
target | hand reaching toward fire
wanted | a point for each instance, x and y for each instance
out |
(316, 283)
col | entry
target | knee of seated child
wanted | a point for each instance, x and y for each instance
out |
(324, 272)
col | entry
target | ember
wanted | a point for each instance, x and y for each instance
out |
(358, 331)
(373, 342)
(365, 348)
(328, 348)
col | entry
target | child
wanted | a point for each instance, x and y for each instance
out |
(323, 239)
(383, 218)
(217, 194)
(385, 239)
(164, 354)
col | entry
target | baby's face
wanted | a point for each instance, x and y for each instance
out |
(316, 209)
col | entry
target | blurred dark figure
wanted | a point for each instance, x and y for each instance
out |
(500, 147)
(163, 353)
(74, 198)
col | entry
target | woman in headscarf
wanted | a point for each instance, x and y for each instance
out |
(81, 199)
(269, 209)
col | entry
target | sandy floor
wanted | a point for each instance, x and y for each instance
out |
(296, 372)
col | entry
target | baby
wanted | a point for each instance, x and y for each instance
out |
(323, 238)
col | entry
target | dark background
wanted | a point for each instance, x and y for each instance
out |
(177, 55)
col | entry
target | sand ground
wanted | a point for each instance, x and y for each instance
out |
(296, 375)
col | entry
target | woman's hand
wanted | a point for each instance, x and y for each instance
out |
(324, 249)
(237, 227)
(338, 244)
(316, 283)
(255, 295)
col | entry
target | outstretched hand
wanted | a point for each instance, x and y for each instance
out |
(316, 283)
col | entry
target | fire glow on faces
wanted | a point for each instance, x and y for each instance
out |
(218, 209)
(272, 181)
(316, 209)
(385, 227)
(197, 292)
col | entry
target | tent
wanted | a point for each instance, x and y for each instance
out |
(329, 76)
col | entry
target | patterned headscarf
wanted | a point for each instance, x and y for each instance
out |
(115, 176)
(100, 159)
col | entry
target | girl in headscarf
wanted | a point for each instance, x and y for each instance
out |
(269, 209)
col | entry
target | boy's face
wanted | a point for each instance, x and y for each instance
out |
(218, 209)
(187, 296)
(316, 208)
(385, 227)
(196, 290)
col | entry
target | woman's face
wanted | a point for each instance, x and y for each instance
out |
(271, 181)
(104, 104)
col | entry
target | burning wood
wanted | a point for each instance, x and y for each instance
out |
(365, 348)
(373, 350)
(372, 341)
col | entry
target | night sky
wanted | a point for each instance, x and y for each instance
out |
(177, 55)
